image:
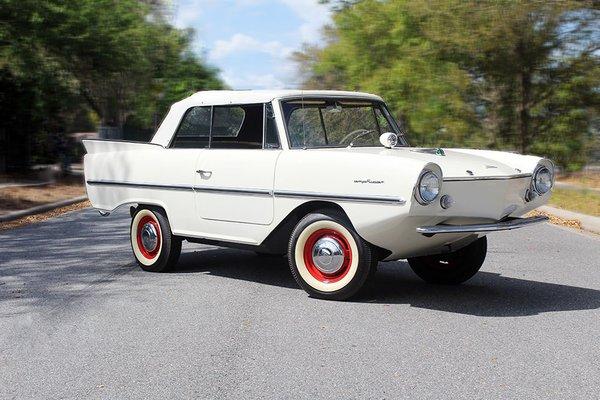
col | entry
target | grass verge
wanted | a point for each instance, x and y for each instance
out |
(584, 179)
(583, 201)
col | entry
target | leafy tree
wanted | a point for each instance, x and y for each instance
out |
(503, 74)
(381, 47)
(526, 59)
(76, 61)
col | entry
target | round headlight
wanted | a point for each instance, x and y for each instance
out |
(542, 180)
(428, 187)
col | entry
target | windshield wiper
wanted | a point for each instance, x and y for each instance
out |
(366, 132)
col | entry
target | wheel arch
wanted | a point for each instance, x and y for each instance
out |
(276, 242)
(136, 205)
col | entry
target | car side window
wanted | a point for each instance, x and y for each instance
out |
(271, 133)
(227, 121)
(306, 128)
(194, 129)
(237, 127)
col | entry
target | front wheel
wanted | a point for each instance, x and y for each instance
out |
(451, 268)
(327, 257)
(155, 248)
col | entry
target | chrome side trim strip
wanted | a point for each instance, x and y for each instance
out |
(486, 178)
(325, 196)
(513, 223)
(140, 185)
(227, 190)
(255, 192)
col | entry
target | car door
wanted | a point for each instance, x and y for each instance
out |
(177, 165)
(234, 180)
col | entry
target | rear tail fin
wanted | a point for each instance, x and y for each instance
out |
(102, 146)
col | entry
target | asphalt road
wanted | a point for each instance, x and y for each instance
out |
(79, 320)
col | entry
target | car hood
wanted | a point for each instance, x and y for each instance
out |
(455, 163)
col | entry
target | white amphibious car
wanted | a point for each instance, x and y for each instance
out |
(326, 177)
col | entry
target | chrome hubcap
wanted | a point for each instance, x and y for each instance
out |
(149, 237)
(328, 255)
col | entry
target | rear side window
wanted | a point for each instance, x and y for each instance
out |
(246, 126)
(228, 121)
(237, 127)
(194, 129)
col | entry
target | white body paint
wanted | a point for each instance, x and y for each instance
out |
(250, 192)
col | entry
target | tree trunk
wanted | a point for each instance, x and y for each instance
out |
(524, 112)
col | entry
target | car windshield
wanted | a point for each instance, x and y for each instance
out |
(314, 123)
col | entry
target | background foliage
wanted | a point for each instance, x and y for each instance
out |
(505, 74)
(71, 65)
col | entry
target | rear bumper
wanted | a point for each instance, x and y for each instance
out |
(508, 224)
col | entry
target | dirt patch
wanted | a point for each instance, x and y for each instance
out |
(571, 223)
(21, 198)
(43, 216)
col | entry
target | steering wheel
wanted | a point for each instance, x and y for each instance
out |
(356, 134)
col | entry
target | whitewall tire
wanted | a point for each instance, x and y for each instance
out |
(154, 246)
(327, 257)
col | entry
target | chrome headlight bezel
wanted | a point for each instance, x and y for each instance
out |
(542, 168)
(426, 173)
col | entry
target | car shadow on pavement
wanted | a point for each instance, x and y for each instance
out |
(238, 264)
(487, 294)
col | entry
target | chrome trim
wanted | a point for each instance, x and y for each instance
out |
(204, 174)
(446, 201)
(537, 170)
(325, 196)
(255, 192)
(139, 185)
(149, 237)
(328, 255)
(512, 223)
(225, 190)
(417, 192)
(486, 178)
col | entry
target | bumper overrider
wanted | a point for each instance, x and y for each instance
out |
(504, 225)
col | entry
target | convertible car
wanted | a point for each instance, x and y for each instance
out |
(325, 177)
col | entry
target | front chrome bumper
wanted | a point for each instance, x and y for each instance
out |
(508, 224)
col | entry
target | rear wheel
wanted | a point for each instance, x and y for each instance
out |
(327, 257)
(451, 268)
(155, 248)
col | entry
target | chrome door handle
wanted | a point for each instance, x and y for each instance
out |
(204, 174)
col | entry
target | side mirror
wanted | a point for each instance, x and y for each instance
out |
(388, 139)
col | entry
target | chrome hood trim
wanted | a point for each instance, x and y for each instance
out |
(485, 178)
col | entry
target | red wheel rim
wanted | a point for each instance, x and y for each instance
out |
(149, 254)
(308, 255)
